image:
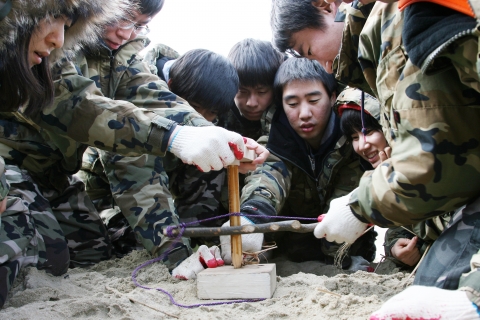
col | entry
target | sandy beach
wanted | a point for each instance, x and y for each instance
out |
(308, 290)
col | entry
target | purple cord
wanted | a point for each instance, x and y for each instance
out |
(182, 226)
(362, 112)
(172, 300)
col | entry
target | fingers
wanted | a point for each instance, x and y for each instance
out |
(206, 257)
(262, 154)
(385, 154)
(245, 167)
(319, 231)
(215, 251)
(406, 251)
(226, 247)
(411, 244)
(3, 205)
(388, 151)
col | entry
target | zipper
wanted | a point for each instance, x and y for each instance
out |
(312, 163)
(440, 49)
(110, 78)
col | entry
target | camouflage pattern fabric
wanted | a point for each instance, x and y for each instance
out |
(47, 229)
(4, 185)
(430, 117)
(450, 256)
(347, 66)
(159, 51)
(50, 145)
(469, 282)
(139, 186)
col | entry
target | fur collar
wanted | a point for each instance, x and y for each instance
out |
(92, 15)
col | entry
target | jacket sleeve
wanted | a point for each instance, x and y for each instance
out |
(146, 90)
(80, 112)
(270, 182)
(431, 121)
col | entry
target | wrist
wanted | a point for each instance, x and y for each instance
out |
(173, 136)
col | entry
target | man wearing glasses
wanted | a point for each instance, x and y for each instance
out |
(131, 193)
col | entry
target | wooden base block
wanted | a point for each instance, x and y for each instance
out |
(248, 282)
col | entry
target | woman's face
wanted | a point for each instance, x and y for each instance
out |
(48, 35)
(370, 145)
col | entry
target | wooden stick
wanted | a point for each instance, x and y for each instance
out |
(289, 225)
(136, 301)
(234, 206)
(329, 292)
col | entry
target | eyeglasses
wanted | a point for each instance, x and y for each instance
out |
(127, 25)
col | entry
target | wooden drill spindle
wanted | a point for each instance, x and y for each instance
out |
(234, 206)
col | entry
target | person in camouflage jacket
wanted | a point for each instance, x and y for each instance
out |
(403, 245)
(47, 141)
(32, 232)
(200, 195)
(426, 78)
(130, 179)
(136, 187)
(300, 179)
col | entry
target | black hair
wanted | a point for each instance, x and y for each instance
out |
(351, 122)
(256, 62)
(290, 16)
(21, 84)
(206, 78)
(302, 69)
(150, 7)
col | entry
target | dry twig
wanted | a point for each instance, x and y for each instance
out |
(136, 301)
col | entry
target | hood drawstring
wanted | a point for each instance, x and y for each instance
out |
(362, 112)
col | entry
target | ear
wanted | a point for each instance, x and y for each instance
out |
(319, 4)
(169, 83)
(333, 98)
(325, 6)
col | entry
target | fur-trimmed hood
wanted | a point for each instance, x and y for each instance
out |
(90, 15)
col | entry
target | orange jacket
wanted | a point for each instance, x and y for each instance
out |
(459, 5)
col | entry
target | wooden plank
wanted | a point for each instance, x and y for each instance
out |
(249, 282)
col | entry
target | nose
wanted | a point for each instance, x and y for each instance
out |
(56, 38)
(304, 112)
(252, 100)
(125, 34)
(363, 143)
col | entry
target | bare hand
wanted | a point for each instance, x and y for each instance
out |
(385, 154)
(261, 155)
(3, 205)
(406, 251)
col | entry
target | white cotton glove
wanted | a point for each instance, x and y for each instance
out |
(250, 242)
(420, 302)
(208, 148)
(359, 263)
(203, 258)
(339, 224)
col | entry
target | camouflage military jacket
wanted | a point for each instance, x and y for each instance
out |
(347, 65)
(430, 115)
(297, 182)
(52, 142)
